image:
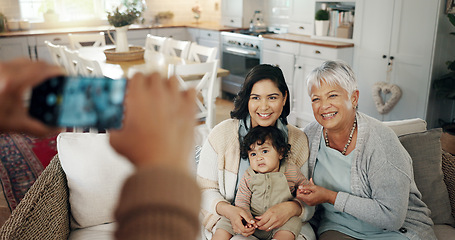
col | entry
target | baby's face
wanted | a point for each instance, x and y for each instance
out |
(264, 158)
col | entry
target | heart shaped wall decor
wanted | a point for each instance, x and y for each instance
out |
(386, 88)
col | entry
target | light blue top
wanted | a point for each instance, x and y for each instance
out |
(333, 171)
(383, 191)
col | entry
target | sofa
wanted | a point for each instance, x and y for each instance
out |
(76, 194)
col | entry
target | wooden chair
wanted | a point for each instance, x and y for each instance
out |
(176, 48)
(57, 54)
(84, 40)
(204, 75)
(199, 53)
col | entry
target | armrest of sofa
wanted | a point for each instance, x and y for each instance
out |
(43, 213)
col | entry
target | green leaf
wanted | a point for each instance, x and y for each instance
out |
(451, 18)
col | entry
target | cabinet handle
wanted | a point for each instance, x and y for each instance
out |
(57, 39)
(391, 57)
(301, 28)
(232, 20)
(209, 34)
(317, 52)
(384, 56)
(299, 67)
(278, 45)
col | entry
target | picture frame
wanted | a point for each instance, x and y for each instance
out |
(450, 7)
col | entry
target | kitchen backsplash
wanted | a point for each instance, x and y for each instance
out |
(211, 11)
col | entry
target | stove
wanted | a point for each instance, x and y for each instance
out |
(241, 51)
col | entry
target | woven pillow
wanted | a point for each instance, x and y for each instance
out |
(448, 168)
(426, 154)
(95, 175)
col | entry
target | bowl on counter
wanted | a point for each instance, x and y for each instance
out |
(13, 25)
(24, 24)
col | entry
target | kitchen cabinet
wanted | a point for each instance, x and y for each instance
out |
(14, 47)
(302, 17)
(42, 52)
(238, 13)
(137, 37)
(178, 33)
(396, 43)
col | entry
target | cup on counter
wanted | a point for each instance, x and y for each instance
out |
(13, 25)
(24, 24)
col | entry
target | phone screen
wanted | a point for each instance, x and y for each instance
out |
(79, 102)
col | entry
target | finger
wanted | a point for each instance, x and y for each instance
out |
(311, 181)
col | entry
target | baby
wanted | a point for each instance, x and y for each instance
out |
(268, 181)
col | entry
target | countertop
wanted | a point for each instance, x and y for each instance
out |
(307, 40)
(35, 32)
(202, 25)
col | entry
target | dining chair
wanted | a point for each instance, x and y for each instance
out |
(73, 62)
(89, 68)
(202, 77)
(78, 65)
(87, 40)
(199, 53)
(154, 43)
(176, 48)
(57, 54)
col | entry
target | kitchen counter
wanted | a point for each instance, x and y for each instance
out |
(307, 40)
(35, 32)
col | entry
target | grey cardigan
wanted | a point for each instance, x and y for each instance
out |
(383, 190)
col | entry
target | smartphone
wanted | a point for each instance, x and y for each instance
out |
(79, 102)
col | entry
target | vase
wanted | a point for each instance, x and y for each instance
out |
(121, 39)
(321, 27)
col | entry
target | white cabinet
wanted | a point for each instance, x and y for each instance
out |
(42, 52)
(238, 13)
(400, 33)
(137, 37)
(302, 17)
(210, 38)
(14, 47)
(178, 33)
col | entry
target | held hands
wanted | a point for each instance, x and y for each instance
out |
(158, 124)
(312, 194)
(16, 77)
(242, 222)
(277, 215)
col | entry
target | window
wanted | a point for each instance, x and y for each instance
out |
(68, 10)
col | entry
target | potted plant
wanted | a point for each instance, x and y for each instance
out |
(321, 22)
(164, 17)
(121, 18)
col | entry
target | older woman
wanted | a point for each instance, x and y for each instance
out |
(263, 100)
(362, 176)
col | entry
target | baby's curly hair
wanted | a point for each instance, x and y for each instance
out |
(259, 135)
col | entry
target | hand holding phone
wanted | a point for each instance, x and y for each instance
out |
(79, 102)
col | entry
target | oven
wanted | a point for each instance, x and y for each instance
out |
(240, 52)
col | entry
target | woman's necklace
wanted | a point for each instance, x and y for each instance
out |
(349, 140)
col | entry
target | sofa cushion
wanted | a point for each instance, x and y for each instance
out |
(448, 168)
(425, 151)
(95, 175)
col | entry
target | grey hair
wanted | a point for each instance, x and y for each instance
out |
(333, 73)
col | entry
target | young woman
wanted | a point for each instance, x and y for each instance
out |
(262, 101)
